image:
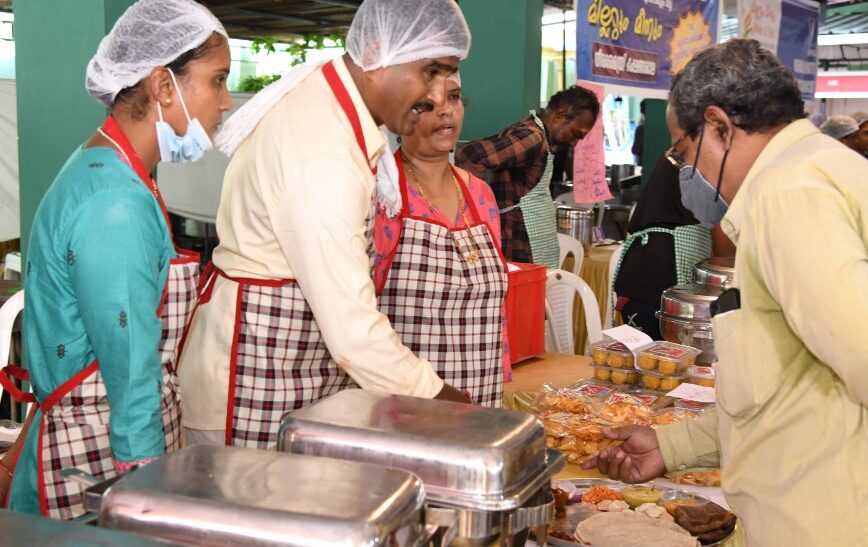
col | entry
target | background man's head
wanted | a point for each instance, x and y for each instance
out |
(729, 101)
(862, 119)
(569, 116)
(844, 129)
(405, 50)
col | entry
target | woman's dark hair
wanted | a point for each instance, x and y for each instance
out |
(135, 97)
(573, 101)
(745, 80)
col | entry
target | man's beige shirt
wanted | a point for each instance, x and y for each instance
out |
(792, 382)
(295, 198)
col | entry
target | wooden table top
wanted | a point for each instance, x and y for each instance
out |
(558, 369)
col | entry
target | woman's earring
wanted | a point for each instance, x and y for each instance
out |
(167, 102)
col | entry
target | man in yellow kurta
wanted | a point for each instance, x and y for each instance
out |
(791, 427)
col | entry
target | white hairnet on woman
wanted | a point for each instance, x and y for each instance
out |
(839, 127)
(383, 33)
(106, 317)
(151, 33)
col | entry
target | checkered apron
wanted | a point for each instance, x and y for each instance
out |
(445, 309)
(279, 360)
(538, 213)
(74, 431)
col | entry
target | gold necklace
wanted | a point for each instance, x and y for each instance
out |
(471, 257)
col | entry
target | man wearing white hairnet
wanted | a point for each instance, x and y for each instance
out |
(862, 136)
(289, 315)
(843, 129)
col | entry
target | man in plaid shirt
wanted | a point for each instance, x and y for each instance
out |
(516, 159)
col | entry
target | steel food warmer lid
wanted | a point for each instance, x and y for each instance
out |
(717, 270)
(221, 495)
(468, 457)
(689, 301)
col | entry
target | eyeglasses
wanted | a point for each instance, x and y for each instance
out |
(676, 159)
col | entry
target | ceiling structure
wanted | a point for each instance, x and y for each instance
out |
(285, 20)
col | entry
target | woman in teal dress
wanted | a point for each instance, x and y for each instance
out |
(107, 294)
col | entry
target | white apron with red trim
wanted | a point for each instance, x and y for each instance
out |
(445, 308)
(74, 429)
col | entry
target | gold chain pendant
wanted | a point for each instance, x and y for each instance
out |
(472, 258)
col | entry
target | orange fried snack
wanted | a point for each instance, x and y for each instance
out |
(598, 493)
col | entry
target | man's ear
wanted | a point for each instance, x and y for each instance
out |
(717, 118)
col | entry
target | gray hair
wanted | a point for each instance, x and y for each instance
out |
(742, 78)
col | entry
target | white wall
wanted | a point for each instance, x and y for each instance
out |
(9, 204)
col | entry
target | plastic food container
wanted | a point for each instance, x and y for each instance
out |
(617, 376)
(701, 376)
(611, 353)
(667, 358)
(660, 382)
(695, 406)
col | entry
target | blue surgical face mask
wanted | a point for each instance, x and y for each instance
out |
(700, 198)
(188, 148)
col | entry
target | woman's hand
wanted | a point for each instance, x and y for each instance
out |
(636, 459)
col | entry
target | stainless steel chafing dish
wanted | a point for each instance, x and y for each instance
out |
(204, 495)
(685, 317)
(490, 466)
(717, 270)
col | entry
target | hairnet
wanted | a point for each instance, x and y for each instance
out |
(393, 32)
(817, 119)
(860, 117)
(151, 33)
(839, 127)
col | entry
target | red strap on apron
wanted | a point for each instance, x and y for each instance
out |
(111, 128)
(55, 396)
(13, 371)
(342, 95)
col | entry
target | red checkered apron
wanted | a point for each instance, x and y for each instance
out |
(74, 430)
(279, 361)
(444, 308)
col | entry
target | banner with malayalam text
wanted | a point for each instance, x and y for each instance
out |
(788, 28)
(641, 44)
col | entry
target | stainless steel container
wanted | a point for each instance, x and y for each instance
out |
(577, 222)
(685, 317)
(24, 529)
(717, 270)
(491, 466)
(231, 496)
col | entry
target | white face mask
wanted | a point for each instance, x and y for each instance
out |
(176, 149)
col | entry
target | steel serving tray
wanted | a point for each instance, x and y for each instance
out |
(233, 496)
(467, 456)
(581, 513)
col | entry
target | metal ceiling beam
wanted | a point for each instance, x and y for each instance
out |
(290, 18)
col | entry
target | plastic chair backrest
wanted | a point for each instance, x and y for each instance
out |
(12, 266)
(8, 312)
(561, 289)
(568, 244)
(608, 319)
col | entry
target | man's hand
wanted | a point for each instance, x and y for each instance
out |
(637, 459)
(449, 393)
